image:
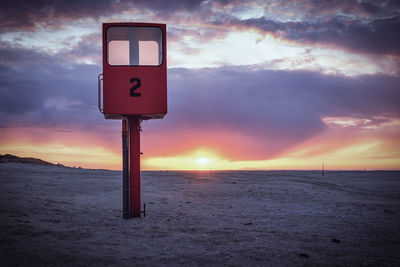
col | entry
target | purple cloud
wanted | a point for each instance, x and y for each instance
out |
(27, 14)
(37, 89)
(379, 36)
(360, 26)
(275, 109)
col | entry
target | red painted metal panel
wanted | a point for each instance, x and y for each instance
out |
(117, 81)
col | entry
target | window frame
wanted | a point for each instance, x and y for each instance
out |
(161, 45)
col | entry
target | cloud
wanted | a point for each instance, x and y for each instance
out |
(360, 26)
(258, 114)
(361, 9)
(29, 15)
(245, 93)
(40, 89)
(243, 112)
(378, 36)
(87, 50)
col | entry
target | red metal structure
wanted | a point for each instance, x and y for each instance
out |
(134, 89)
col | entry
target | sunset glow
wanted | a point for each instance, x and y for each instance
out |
(254, 85)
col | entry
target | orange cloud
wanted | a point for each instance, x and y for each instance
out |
(346, 143)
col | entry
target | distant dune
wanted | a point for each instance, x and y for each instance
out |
(11, 158)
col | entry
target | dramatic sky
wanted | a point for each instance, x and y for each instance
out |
(251, 84)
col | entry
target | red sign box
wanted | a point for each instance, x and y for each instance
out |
(134, 70)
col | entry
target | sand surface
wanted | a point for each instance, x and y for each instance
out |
(63, 216)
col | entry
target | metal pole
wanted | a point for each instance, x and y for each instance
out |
(133, 47)
(125, 171)
(134, 165)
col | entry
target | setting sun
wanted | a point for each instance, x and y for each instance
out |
(202, 160)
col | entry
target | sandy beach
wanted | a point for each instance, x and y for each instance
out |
(72, 217)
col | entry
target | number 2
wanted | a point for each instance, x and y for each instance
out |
(135, 87)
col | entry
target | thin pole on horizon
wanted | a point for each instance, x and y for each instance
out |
(323, 169)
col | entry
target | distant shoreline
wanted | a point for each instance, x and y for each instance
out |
(9, 158)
